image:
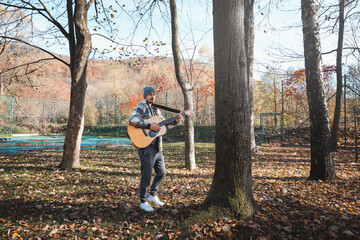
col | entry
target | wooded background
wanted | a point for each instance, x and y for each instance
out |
(41, 99)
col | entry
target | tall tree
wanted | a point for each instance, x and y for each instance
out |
(322, 165)
(339, 85)
(232, 182)
(78, 37)
(80, 47)
(186, 88)
(249, 41)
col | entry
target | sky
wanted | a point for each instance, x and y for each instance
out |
(195, 28)
(273, 34)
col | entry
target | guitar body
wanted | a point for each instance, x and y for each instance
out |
(140, 137)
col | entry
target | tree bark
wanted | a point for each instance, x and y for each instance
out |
(186, 89)
(80, 47)
(322, 166)
(339, 85)
(249, 41)
(232, 182)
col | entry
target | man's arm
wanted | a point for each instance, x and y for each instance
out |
(136, 117)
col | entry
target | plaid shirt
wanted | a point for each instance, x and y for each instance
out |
(142, 112)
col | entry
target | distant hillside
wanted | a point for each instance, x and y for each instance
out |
(51, 79)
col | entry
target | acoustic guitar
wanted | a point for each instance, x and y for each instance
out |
(141, 138)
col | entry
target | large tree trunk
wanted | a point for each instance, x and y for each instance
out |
(232, 182)
(322, 166)
(339, 85)
(186, 89)
(249, 41)
(80, 47)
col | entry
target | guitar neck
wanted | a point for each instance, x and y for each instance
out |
(168, 121)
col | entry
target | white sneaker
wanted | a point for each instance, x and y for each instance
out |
(146, 207)
(155, 200)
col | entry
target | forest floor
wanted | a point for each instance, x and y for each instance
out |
(100, 200)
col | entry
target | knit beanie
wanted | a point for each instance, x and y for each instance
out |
(148, 90)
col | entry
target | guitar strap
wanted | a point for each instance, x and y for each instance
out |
(166, 108)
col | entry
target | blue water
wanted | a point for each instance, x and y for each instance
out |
(53, 143)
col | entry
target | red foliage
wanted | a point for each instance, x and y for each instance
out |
(207, 90)
(133, 101)
(295, 85)
(161, 83)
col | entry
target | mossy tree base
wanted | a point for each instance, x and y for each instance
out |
(212, 213)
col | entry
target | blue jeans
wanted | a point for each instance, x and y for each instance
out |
(151, 158)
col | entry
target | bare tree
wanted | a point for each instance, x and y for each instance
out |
(75, 30)
(322, 165)
(339, 85)
(80, 48)
(186, 88)
(231, 189)
(341, 16)
(249, 41)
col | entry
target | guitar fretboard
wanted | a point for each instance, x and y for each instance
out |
(168, 121)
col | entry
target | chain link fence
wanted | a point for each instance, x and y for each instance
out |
(6, 109)
(109, 117)
(105, 117)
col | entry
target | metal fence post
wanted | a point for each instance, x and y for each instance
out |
(197, 110)
(345, 135)
(43, 118)
(99, 115)
(356, 144)
(166, 103)
(261, 129)
(119, 108)
(11, 115)
(282, 113)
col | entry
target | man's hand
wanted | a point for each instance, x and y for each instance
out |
(155, 127)
(180, 117)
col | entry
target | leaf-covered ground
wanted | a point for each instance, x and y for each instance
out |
(100, 200)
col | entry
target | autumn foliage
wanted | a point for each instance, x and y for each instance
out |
(295, 85)
(204, 89)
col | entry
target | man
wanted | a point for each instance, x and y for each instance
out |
(151, 157)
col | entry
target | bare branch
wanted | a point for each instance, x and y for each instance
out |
(334, 50)
(37, 47)
(88, 5)
(27, 65)
(51, 19)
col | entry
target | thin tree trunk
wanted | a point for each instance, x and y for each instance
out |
(190, 133)
(186, 89)
(232, 182)
(80, 48)
(339, 85)
(249, 41)
(322, 166)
